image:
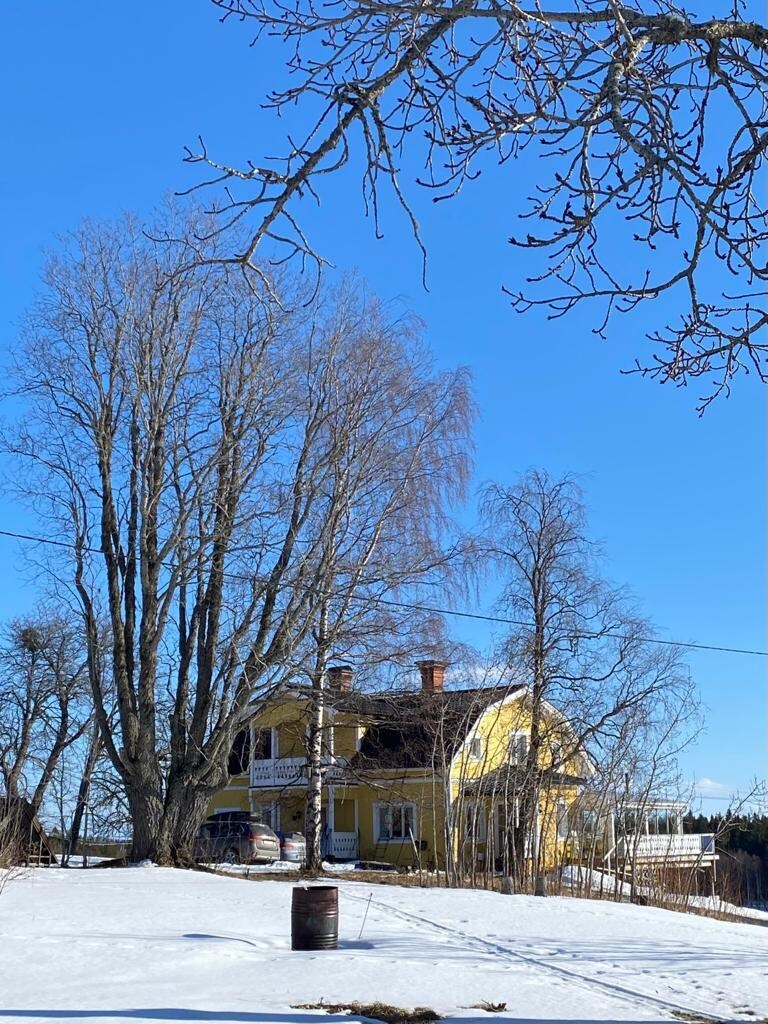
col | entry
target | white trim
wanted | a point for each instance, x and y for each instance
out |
(330, 805)
(516, 734)
(475, 824)
(394, 839)
(366, 779)
(471, 742)
(562, 820)
(330, 734)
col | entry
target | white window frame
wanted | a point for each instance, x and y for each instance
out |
(500, 817)
(476, 748)
(475, 821)
(272, 730)
(513, 739)
(562, 823)
(581, 828)
(404, 806)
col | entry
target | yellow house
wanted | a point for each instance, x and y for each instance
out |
(426, 778)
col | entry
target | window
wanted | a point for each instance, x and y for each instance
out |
(266, 814)
(586, 822)
(476, 748)
(557, 754)
(662, 822)
(563, 822)
(394, 822)
(626, 823)
(240, 754)
(507, 817)
(262, 744)
(518, 747)
(474, 822)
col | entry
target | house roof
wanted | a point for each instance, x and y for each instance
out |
(508, 780)
(410, 729)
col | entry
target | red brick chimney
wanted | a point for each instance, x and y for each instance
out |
(340, 678)
(432, 675)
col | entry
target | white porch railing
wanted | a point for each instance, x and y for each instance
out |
(662, 848)
(283, 772)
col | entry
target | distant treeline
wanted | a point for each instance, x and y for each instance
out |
(743, 847)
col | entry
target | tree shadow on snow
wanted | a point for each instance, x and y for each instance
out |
(175, 1013)
(172, 1013)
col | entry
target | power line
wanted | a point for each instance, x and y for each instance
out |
(613, 636)
(436, 610)
(757, 801)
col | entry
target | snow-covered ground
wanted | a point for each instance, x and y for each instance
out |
(606, 884)
(143, 945)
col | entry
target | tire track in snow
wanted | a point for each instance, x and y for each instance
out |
(498, 949)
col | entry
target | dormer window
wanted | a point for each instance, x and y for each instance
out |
(518, 747)
(476, 748)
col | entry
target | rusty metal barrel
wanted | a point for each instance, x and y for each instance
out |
(315, 917)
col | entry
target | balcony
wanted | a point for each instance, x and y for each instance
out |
(291, 772)
(680, 849)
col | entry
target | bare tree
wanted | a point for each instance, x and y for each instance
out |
(653, 120)
(579, 646)
(93, 751)
(12, 845)
(172, 443)
(397, 437)
(44, 702)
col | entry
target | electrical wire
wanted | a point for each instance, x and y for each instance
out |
(436, 610)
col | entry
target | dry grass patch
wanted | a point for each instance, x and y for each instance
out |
(695, 1018)
(376, 1011)
(368, 877)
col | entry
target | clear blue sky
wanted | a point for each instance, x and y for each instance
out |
(98, 101)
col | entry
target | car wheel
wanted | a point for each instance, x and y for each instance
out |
(231, 856)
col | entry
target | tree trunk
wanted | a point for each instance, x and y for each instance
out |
(147, 813)
(185, 809)
(83, 790)
(314, 806)
(314, 819)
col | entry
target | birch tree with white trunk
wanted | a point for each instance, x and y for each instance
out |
(398, 450)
